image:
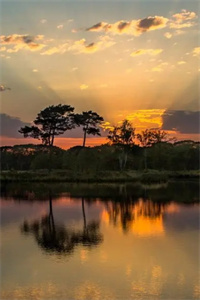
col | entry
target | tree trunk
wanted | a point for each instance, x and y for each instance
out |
(84, 137)
(83, 210)
(51, 218)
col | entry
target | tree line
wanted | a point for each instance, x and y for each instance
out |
(56, 119)
(154, 151)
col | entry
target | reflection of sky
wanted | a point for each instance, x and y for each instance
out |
(127, 265)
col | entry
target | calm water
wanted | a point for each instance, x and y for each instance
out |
(100, 241)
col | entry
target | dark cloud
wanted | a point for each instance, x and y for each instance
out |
(96, 27)
(10, 126)
(182, 121)
(123, 25)
(132, 27)
(151, 23)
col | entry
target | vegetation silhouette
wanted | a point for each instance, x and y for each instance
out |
(50, 122)
(122, 137)
(58, 239)
(121, 153)
(149, 137)
(89, 121)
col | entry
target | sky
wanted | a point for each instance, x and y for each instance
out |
(122, 59)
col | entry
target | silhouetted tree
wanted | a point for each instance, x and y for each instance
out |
(149, 137)
(146, 139)
(90, 122)
(122, 136)
(52, 121)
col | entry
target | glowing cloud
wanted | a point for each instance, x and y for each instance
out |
(60, 26)
(183, 19)
(60, 49)
(196, 51)
(84, 87)
(182, 62)
(185, 15)
(168, 35)
(146, 51)
(22, 42)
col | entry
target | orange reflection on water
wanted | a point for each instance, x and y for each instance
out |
(145, 226)
(143, 218)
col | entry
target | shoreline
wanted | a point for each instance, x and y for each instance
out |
(148, 176)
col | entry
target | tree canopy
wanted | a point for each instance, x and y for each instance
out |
(123, 134)
(90, 122)
(51, 121)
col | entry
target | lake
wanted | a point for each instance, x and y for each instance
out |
(100, 241)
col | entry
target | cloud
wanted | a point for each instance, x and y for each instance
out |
(43, 21)
(3, 88)
(182, 62)
(60, 26)
(159, 68)
(182, 121)
(84, 87)
(2, 49)
(185, 15)
(81, 46)
(196, 51)
(180, 26)
(133, 27)
(183, 19)
(22, 42)
(151, 23)
(146, 51)
(168, 35)
(60, 49)
(10, 126)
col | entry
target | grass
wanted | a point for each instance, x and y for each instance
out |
(148, 176)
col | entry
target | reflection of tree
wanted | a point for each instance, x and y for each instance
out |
(56, 238)
(125, 213)
(120, 212)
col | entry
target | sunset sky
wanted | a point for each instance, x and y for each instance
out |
(123, 59)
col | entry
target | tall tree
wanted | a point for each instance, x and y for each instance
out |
(149, 137)
(50, 122)
(90, 122)
(122, 136)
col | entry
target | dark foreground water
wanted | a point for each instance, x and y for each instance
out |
(100, 242)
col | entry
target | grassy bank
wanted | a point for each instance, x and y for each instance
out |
(149, 176)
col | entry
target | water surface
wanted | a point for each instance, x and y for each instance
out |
(100, 241)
